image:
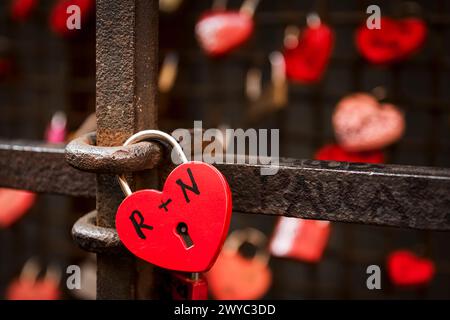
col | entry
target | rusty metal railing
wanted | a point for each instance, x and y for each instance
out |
(392, 195)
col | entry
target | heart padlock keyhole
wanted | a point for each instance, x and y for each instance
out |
(182, 231)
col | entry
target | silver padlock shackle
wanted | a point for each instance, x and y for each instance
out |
(150, 135)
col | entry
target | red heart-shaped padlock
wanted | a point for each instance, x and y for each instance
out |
(361, 123)
(395, 40)
(184, 226)
(219, 32)
(307, 61)
(406, 269)
(333, 152)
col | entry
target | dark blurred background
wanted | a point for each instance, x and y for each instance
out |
(52, 73)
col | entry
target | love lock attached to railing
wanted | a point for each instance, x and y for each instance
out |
(189, 219)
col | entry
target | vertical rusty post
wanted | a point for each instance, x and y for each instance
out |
(127, 62)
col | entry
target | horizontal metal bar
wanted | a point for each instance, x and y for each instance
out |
(42, 168)
(391, 195)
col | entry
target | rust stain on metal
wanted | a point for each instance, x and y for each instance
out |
(127, 62)
(42, 168)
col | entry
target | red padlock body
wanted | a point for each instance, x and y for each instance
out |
(195, 195)
(26, 289)
(185, 288)
(301, 239)
(14, 204)
(307, 62)
(219, 32)
(394, 41)
(407, 269)
(234, 277)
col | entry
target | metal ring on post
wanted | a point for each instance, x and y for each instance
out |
(84, 154)
(93, 238)
(150, 135)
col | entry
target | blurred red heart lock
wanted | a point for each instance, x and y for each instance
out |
(219, 32)
(59, 15)
(361, 123)
(307, 56)
(21, 10)
(14, 204)
(183, 227)
(235, 277)
(395, 40)
(407, 269)
(29, 287)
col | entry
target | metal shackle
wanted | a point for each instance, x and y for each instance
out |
(150, 135)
